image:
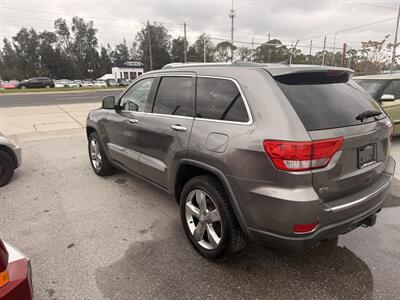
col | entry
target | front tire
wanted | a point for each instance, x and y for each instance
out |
(6, 168)
(208, 219)
(98, 159)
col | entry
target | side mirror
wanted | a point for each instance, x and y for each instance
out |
(109, 102)
(388, 97)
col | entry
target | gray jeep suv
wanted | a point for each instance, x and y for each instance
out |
(286, 156)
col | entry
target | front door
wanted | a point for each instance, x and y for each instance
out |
(123, 125)
(165, 130)
(392, 108)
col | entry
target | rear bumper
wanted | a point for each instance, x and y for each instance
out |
(302, 243)
(20, 278)
(276, 216)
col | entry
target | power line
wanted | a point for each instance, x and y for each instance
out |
(351, 28)
(368, 4)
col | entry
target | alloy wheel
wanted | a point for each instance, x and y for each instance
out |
(95, 154)
(203, 219)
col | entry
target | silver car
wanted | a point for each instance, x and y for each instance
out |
(286, 156)
(10, 159)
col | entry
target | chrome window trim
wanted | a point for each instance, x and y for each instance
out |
(171, 74)
(250, 116)
(133, 113)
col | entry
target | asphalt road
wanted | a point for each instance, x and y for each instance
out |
(54, 98)
(120, 238)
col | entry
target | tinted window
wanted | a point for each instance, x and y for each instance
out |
(329, 105)
(135, 99)
(393, 89)
(373, 87)
(219, 99)
(175, 96)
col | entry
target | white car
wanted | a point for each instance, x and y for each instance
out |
(72, 84)
(100, 83)
(87, 83)
(59, 84)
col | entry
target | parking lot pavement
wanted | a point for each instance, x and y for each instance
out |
(34, 120)
(120, 238)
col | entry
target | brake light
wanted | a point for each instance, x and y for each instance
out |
(4, 278)
(302, 156)
(304, 228)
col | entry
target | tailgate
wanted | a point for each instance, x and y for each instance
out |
(359, 163)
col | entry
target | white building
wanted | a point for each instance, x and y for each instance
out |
(128, 70)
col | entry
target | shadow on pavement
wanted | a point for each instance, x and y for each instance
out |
(168, 267)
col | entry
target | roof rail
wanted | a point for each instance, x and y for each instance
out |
(212, 64)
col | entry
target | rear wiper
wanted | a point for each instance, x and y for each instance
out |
(368, 114)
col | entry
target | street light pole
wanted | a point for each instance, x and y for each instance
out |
(395, 43)
(184, 44)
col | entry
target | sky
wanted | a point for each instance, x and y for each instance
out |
(287, 20)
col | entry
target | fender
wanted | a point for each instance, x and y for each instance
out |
(226, 185)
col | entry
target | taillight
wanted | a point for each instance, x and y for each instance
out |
(4, 278)
(302, 156)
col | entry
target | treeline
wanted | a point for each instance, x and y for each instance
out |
(72, 51)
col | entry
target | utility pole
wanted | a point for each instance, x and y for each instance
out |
(309, 55)
(343, 54)
(291, 53)
(333, 52)
(395, 43)
(252, 49)
(149, 44)
(232, 17)
(269, 39)
(349, 64)
(323, 52)
(184, 44)
(204, 49)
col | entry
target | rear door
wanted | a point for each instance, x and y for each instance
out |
(165, 130)
(329, 107)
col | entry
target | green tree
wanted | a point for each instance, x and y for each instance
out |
(177, 50)
(9, 67)
(160, 42)
(196, 51)
(26, 44)
(222, 51)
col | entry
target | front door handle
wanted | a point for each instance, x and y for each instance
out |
(178, 127)
(133, 121)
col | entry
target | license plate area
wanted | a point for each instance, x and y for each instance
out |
(366, 155)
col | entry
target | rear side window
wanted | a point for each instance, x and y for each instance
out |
(326, 103)
(175, 96)
(393, 89)
(219, 99)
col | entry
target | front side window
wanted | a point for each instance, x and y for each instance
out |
(135, 99)
(220, 99)
(175, 96)
(373, 87)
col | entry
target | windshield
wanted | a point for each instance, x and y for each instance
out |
(373, 87)
(328, 105)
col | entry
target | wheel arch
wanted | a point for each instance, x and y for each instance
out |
(188, 169)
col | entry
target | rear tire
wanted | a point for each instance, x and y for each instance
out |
(210, 226)
(98, 159)
(47, 86)
(6, 168)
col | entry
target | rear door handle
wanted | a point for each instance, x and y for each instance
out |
(133, 121)
(178, 127)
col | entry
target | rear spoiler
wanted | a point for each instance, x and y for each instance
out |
(278, 70)
(310, 75)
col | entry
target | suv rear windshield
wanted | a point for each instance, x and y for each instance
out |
(323, 100)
